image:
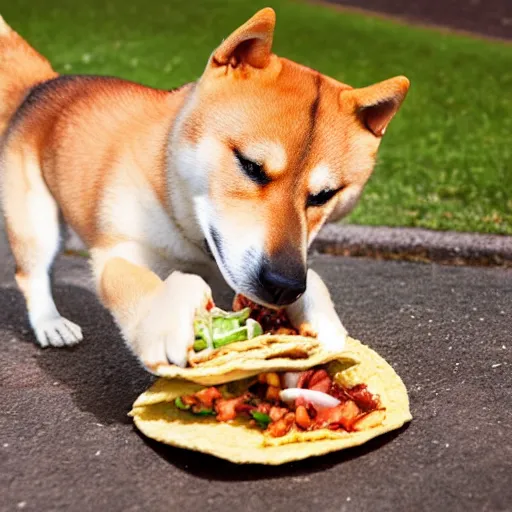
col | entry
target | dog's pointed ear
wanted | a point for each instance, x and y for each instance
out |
(377, 104)
(250, 44)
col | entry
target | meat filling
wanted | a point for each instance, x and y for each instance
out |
(262, 406)
(271, 321)
(357, 408)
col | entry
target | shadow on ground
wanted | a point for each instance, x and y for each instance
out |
(104, 378)
(208, 467)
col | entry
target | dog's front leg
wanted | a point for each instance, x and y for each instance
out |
(155, 317)
(316, 308)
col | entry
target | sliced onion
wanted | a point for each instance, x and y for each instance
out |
(291, 379)
(317, 398)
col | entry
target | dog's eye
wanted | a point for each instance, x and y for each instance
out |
(321, 198)
(253, 170)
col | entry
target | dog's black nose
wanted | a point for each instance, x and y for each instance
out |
(280, 289)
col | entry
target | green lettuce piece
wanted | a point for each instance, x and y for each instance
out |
(217, 328)
(200, 344)
(180, 405)
(261, 418)
(204, 412)
(221, 326)
(231, 337)
(241, 315)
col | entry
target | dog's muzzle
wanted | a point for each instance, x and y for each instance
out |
(281, 278)
(280, 289)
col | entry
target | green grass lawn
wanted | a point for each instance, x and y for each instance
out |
(446, 161)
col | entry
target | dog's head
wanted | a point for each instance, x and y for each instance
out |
(270, 150)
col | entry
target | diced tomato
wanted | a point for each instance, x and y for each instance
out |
(344, 414)
(320, 381)
(326, 416)
(207, 396)
(282, 426)
(226, 407)
(324, 386)
(190, 400)
(304, 378)
(240, 408)
(317, 376)
(276, 413)
(264, 408)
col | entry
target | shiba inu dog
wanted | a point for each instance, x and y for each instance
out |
(230, 177)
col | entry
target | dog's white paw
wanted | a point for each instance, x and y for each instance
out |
(166, 341)
(57, 332)
(315, 308)
(166, 331)
(332, 335)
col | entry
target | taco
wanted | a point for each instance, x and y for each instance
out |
(278, 416)
(241, 343)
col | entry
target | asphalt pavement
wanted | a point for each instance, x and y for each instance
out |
(67, 444)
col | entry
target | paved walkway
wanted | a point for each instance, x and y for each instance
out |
(485, 17)
(67, 444)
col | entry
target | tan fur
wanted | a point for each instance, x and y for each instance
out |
(140, 174)
(20, 68)
(118, 274)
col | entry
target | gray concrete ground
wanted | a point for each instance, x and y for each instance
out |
(67, 444)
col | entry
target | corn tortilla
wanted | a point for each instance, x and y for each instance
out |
(240, 443)
(247, 358)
